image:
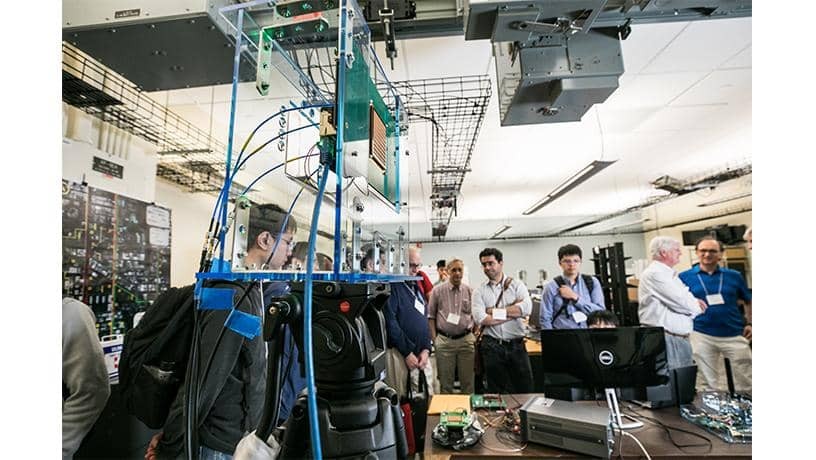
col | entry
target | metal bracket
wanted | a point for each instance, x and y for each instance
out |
(564, 26)
(386, 19)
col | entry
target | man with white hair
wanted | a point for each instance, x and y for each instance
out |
(749, 238)
(665, 301)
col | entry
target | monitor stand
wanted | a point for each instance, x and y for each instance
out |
(617, 416)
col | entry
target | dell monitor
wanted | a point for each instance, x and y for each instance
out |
(608, 358)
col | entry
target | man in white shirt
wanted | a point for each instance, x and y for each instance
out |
(665, 301)
(499, 306)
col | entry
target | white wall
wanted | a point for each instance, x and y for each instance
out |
(85, 137)
(531, 255)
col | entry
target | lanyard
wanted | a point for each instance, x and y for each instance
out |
(415, 291)
(704, 286)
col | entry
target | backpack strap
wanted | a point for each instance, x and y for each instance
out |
(560, 281)
(505, 285)
(589, 282)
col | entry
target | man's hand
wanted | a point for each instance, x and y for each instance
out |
(423, 359)
(567, 293)
(151, 447)
(746, 332)
(411, 361)
(702, 304)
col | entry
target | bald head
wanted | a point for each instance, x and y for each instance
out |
(414, 260)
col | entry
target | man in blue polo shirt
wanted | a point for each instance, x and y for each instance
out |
(721, 331)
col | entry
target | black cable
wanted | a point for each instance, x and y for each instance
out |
(288, 366)
(321, 70)
(518, 404)
(308, 54)
(191, 395)
(668, 428)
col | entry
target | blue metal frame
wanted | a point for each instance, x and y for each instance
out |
(221, 270)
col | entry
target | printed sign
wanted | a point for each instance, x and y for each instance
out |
(107, 168)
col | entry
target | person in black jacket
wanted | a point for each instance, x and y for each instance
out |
(232, 367)
(406, 325)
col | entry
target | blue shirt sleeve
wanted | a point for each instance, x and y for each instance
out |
(743, 292)
(293, 382)
(595, 301)
(548, 305)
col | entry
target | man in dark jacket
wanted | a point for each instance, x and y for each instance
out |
(232, 367)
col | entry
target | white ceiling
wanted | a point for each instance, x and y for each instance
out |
(683, 109)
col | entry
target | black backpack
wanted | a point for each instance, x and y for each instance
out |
(560, 281)
(155, 354)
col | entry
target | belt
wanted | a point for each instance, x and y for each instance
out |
(453, 337)
(676, 335)
(504, 341)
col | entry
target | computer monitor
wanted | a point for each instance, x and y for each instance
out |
(603, 358)
(625, 358)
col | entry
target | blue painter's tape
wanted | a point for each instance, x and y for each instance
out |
(199, 285)
(243, 323)
(216, 299)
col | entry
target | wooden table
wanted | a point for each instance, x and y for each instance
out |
(652, 436)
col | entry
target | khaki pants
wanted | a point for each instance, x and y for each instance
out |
(709, 352)
(451, 353)
(396, 374)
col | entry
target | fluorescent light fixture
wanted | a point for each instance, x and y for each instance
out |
(500, 230)
(577, 179)
(724, 200)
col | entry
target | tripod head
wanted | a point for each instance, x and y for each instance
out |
(349, 334)
(349, 341)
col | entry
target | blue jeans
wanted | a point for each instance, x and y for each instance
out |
(205, 453)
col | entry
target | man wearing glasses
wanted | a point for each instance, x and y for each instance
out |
(414, 265)
(721, 331)
(570, 298)
(499, 306)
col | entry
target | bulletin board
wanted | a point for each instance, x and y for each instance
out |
(115, 254)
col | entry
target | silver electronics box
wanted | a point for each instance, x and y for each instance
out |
(567, 425)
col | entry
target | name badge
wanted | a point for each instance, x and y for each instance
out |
(715, 299)
(419, 306)
(499, 313)
(579, 316)
(452, 318)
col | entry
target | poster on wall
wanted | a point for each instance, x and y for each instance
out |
(115, 254)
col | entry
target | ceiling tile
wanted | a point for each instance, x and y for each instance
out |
(652, 90)
(645, 41)
(720, 87)
(687, 118)
(741, 60)
(703, 46)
